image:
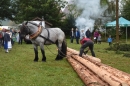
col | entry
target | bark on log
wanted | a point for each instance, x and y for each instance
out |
(108, 74)
(112, 80)
(85, 74)
(88, 57)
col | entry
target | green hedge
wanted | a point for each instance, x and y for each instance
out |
(119, 47)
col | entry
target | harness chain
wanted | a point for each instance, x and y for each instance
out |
(47, 37)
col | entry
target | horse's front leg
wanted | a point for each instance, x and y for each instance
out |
(36, 53)
(43, 52)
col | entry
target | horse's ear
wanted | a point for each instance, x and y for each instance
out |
(26, 22)
(40, 23)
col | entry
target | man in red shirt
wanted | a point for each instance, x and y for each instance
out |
(86, 42)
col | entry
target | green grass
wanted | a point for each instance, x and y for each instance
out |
(18, 69)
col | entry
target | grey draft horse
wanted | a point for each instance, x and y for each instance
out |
(41, 36)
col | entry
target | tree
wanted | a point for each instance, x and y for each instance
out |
(29, 9)
(6, 11)
(125, 10)
(111, 10)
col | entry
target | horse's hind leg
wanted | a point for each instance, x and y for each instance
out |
(59, 57)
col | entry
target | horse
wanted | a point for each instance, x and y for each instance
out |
(41, 36)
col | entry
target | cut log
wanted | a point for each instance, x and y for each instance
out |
(109, 78)
(85, 74)
(91, 58)
(93, 72)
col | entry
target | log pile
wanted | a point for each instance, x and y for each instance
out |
(94, 73)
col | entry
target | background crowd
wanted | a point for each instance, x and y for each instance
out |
(87, 39)
(8, 37)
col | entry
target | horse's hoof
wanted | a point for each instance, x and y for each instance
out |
(43, 61)
(58, 59)
(35, 61)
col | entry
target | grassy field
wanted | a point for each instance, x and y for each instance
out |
(18, 69)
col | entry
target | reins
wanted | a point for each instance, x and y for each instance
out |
(62, 53)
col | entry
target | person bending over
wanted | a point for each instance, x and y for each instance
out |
(86, 42)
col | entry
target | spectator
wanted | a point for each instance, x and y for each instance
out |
(96, 36)
(109, 40)
(86, 42)
(6, 40)
(3, 32)
(9, 42)
(82, 34)
(1, 36)
(77, 36)
(88, 33)
(17, 36)
(72, 35)
(99, 39)
(20, 38)
(13, 36)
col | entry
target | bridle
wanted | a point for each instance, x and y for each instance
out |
(33, 35)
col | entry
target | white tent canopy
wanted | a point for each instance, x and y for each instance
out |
(122, 23)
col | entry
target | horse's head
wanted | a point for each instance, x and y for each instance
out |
(29, 27)
(24, 28)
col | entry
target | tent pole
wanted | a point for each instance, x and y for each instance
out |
(105, 32)
(126, 34)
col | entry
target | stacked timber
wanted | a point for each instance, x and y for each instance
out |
(94, 73)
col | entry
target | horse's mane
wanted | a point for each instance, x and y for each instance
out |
(33, 23)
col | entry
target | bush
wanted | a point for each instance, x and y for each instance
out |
(119, 47)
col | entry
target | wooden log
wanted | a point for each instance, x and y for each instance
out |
(88, 77)
(109, 78)
(91, 58)
(115, 72)
(82, 74)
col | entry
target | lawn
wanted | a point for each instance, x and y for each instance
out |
(18, 69)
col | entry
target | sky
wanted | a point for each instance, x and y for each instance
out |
(5, 23)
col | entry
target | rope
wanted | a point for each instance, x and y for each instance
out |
(50, 50)
(61, 52)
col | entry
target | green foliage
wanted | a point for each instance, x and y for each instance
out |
(6, 10)
(103, 2)
(69, 22)
(49, 9)
(120, 47)
(125, 10)
(111, 31)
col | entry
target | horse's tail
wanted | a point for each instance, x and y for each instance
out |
(64, 48)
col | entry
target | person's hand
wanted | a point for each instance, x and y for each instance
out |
(85, 52)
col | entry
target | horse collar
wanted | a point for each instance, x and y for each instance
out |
(33, 36)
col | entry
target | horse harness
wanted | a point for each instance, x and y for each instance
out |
(38, 33)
